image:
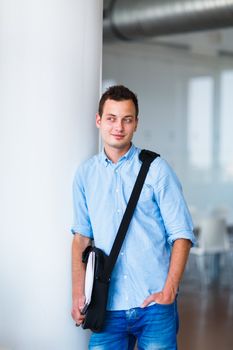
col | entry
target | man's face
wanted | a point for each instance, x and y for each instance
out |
(117, 123)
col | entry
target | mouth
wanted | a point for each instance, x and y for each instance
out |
(117, 136)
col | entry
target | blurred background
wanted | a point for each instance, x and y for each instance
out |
(177, 55)
(179, 61)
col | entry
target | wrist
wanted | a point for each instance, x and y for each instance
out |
(77, 298)
(169, 292)
(171, 286)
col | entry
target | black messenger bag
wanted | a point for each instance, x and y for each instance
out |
(104, 264)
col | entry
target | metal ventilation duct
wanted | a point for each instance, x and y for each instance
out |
(136, 19)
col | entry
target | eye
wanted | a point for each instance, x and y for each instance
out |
(128, 120)
(111, 119)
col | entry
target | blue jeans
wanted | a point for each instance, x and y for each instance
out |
(154, 327)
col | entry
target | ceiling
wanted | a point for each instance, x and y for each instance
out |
(211, 42)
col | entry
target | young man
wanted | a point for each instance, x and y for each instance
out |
(146, 277)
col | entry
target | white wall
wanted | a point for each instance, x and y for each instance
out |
(50, 64)
(160, 77)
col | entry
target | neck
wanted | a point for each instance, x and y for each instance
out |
(114, 154)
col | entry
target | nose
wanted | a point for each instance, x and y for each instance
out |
(119, 125)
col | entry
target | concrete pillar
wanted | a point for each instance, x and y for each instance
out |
(50, 59)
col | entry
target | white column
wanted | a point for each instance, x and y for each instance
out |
(50, 59)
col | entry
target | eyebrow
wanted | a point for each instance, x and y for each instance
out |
(116, 116)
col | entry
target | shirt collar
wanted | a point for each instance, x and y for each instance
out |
(127, 156)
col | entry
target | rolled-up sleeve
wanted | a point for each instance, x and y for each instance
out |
(174, 211)
(81, 219)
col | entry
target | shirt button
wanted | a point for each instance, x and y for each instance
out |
(125, 277)
(118, 210)
(117, 190)
(126, 298)
(122, 253)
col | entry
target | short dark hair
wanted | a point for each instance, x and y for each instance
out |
(118, 93)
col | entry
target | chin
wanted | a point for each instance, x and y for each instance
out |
(121, 145)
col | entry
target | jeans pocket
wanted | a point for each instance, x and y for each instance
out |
(165, 305)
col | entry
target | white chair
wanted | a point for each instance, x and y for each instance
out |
(213, 244)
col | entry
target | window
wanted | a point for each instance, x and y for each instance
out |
(226, 125)
(200, 122)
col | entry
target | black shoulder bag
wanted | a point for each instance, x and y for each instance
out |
(104, 264)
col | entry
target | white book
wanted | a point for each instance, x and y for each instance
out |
(89, 279)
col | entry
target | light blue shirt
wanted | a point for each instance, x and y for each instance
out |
(101, 191)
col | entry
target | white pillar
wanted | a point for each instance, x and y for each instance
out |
(50, 58)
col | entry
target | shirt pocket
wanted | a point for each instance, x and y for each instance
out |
(146, 195)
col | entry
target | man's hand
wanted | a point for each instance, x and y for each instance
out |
(159, 298)
(77, 307)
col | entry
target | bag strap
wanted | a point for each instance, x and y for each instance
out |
(146, 157)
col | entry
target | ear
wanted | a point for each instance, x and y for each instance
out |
(97, 120)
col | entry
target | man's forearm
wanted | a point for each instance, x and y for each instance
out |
(179, 256)
(78, 277)
(78, 268)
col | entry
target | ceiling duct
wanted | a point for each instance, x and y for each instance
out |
(137, 19)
